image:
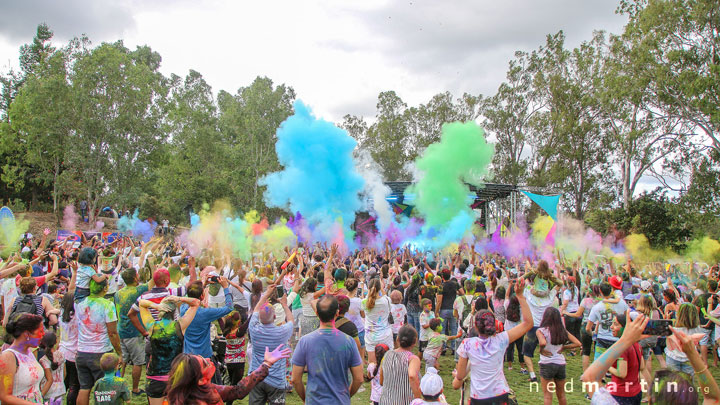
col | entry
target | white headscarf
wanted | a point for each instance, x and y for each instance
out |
(431, 383)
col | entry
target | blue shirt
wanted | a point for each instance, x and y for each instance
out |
(84, 275)
(270, 336)
(197, 335)
(328, 355)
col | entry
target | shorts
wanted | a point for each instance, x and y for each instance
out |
(133, 350)
(503, 399)
(361, 336)
(264, 393)
(372, 341)
(530, 343)
(587, 342)
(705, 341)
(552, 371)
(646, 352)
(601, 345)
(155, 388)
(308, 324)
(81, 293)
(430, 360)
(88, 369)
(636, 400)
(682, 366)
(659, 348)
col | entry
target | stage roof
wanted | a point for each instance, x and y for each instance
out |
(490, 191)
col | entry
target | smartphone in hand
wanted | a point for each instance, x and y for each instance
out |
(658, 327)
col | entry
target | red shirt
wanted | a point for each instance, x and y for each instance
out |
(630, 385)
(38, 280)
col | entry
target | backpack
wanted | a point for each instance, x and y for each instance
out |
(26, 304)
(466, 309)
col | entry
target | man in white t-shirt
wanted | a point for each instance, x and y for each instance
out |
(97, 334)
(602, 315)
(538, 304)
(463, 303)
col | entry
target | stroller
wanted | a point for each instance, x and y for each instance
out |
(219, 345)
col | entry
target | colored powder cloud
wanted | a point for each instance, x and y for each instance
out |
(11, 231)
(462, 156)
(319, 177)
(706, 250)
(375, 189)
(70, 218)
(143, 229)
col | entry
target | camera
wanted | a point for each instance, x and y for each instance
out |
(214, 279)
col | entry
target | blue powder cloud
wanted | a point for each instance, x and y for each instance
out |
(319, 178)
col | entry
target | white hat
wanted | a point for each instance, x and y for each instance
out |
(431, 383)
(645, 285)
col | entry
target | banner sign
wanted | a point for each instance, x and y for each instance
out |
(76, 236)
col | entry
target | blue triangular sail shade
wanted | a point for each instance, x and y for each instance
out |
(549, 203)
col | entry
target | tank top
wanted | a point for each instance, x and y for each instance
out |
(555, 357)
(29, 373)
(396, 382)
(37, 299)
(69, 338)
(166, 342)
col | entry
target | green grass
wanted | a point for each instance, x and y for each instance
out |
(518, 382)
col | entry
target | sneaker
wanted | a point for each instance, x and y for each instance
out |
(523, 371)
(138, 393)
(532, 379)
(361, 389)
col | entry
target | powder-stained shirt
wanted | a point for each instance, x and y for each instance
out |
(93, 314)
(398, 312)
(485, 356)
(124, 300)
(425, 318)
(197, 334)
(166, 342)
(328, 354)
(84, 275)
(602, 314)
(269, 336)
(156, 295)
(110, 390)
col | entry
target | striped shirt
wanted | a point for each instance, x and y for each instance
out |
(156, 295)
(396, 384)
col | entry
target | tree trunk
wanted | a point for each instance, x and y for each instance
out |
(579, 198)
(55, 192)
(91, 203)
(626, 183)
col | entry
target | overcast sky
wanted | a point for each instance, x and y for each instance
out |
(337, 55)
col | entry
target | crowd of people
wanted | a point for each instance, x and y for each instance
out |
(210, 328)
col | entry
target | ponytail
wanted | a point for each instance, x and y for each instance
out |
(373, 293)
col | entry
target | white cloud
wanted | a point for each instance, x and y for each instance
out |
(337, 55)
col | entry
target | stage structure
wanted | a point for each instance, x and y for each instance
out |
(494, 203)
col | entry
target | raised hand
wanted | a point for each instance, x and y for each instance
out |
(683, 342)
(277, 354)
(519, 287)
(634, 328)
